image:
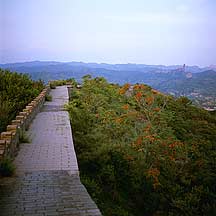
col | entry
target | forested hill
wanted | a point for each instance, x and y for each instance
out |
(141, 152)
(16, 91)
(196, 83)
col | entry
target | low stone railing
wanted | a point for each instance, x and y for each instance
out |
(10, 139)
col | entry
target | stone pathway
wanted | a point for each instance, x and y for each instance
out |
(47, 181)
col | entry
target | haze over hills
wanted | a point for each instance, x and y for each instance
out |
(192, 81)
(117, 67)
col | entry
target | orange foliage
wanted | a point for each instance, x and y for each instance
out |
(124, 88)
(125, 107)
(137, 143)
(118, 120)
(172, 145)
(138, 96)
(155, 91)
(127, 86)
(139, 86)
(157, 109)
(150, 137)
(136, 87)
(149, 100)
(122, 91)
(147, 128)
(129, 158)
(172, 158)
(175, 144)
(154, 173)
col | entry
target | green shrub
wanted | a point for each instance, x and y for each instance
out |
(48, 98)
(16, 91)
(24, 138)
(143, 153)
(7, 168)
(52, 85)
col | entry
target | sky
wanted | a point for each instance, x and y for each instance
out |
(164, 32)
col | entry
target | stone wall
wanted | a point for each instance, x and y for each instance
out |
(10, 139)
(69, 87)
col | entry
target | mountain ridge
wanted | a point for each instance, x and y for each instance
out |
(125, 66)
(194, 82)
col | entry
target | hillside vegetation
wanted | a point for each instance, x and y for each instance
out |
(16, 91)
(143, 153)
(196, 83)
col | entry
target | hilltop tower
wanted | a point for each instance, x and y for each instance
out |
(183, 68)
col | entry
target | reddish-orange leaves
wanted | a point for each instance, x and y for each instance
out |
(138, 96)
(136, 87)
(129, 158)
(149, 100)
(121, 91)
(150, 137)
(137, 143)
(175, 144)
(154, 173)
(147, 128)
(124, 88)
(139, 86)
(157, 109)
(155, 91)
(118, 120)
(125, 107)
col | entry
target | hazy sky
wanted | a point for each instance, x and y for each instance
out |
(112, 31)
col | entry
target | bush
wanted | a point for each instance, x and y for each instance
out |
(16, 91)
(52, 85)
(143, 153)
(7, 168)
(24, 138)
(48, 98)
(55, 83)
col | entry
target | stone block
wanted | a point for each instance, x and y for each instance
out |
(2, 144)
(34, 102)
(16, 122)
(1, 153)
(23, 114)
(29, 107)
(12, 128)
(27, 110)
(19, 117)
(6, 135)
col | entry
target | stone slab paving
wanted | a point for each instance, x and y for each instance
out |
(47, 181)
(51, 146)
(46, 193)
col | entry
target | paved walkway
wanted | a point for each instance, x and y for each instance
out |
(47, 181)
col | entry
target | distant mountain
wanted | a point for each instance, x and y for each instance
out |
(117, 67)
(192, 81)
(29, 64)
